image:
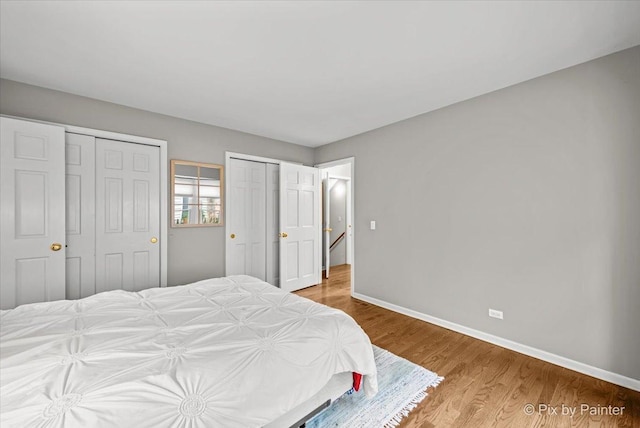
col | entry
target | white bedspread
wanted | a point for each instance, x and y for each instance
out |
(226, 352)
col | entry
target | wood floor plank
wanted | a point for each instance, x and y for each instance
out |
(485, 385)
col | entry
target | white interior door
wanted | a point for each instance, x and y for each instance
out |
(300, 226)
(246, 220)
(32, 224)
(326, 231)
(273, 224)
(80, 162)
(127, 216)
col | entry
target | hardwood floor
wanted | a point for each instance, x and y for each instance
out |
(485, 385)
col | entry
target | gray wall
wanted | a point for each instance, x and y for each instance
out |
(525, 200)
(194, 253)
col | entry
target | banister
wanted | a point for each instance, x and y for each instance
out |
(337, 239)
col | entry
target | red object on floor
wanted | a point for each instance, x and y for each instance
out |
(357, 377)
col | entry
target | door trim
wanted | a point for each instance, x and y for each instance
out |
(351, 192)
(243, 156)
(127, 138)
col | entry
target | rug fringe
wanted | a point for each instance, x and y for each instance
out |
(404, 412)
(402, 390)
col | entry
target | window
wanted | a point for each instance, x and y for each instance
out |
(197, 194)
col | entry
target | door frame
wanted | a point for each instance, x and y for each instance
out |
(351, 249)
(135, 139)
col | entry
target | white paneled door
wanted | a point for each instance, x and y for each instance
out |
(273, 224)
(300, 229)
(246, 222)
(127, 216)
(81, 215)
(32, 224)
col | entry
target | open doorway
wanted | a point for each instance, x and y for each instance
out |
(337, 216)
(338, 221)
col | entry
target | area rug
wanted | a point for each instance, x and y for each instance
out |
(401, 386)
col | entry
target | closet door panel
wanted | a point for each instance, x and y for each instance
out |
(127, 216)
(246, 224)
(32, 213)
(80, 215)
(257, 222)
(273, 224)
(236, 259)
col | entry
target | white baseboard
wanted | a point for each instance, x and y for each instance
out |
(577, 366)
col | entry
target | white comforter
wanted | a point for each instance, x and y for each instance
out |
(227, 352)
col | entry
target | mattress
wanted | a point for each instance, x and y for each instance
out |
(225, 352)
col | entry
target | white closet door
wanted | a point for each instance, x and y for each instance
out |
(273, 224)
(127, 216)
(32, 224)
(300, 218)
(81, 215)
(246, 222)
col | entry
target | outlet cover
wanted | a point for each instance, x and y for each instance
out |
(495, 314)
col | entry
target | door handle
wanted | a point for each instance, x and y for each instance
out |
(328, 229)
(232, 236)
(154, 240)
(56, 246)
(283, 235)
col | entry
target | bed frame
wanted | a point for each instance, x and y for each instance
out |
(338, 385)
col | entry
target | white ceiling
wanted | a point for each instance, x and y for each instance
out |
(305, 72)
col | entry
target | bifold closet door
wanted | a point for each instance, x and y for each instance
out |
(32, 213)
(273, 224)
(81, 215)
(127, 216)
(246, 220)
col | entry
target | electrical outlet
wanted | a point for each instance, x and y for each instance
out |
(495, 314)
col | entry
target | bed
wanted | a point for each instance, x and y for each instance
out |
(225, 352)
